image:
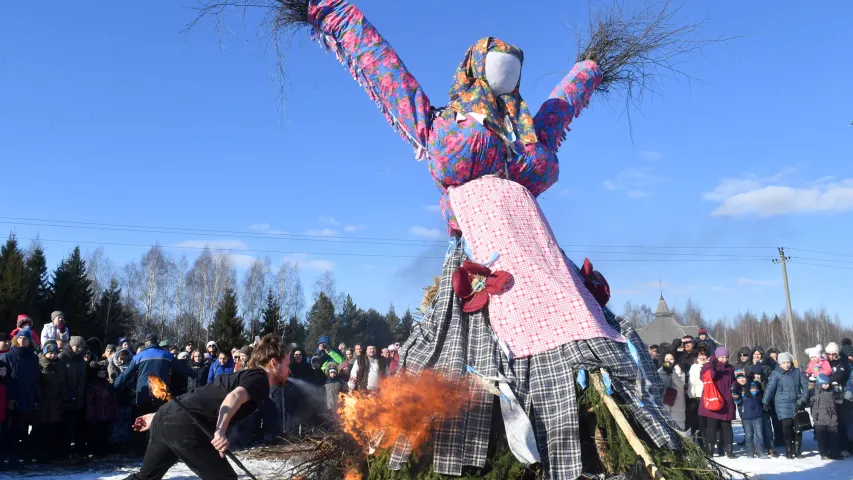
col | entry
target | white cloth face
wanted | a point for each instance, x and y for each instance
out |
(503, 72)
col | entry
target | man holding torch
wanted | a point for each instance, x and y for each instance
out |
(180, 430)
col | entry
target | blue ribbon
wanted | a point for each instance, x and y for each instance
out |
(581, 378)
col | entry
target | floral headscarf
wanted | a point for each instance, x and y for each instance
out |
(470, 92)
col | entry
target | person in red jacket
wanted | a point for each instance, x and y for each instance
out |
(723, 375)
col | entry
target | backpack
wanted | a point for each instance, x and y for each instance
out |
(711, 399)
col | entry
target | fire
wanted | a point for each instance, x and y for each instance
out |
(405, 406)
(158, 388)
(353, 475)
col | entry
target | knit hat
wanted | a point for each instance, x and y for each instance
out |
(4, 337)
(151, 338)
(164, 343)
(25, 332)
(183, 355)
(325, 340)
(740, 373)
(392, 348)
(211, 344)
(50, 347)
(702, 331)
(757, 370)
(111, 347)
(832, 347)
(815, 351)
(847, 350)
(846, 341)
(772, 350)
(745, 351)
(822, 379)
(77, 342)
(754, 388)
(721, 352)
(122, 340)
(24, 319)
(785, 357)
(55, 314)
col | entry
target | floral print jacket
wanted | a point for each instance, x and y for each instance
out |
(458, 147)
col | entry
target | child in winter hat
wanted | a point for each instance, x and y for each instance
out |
(818, 363)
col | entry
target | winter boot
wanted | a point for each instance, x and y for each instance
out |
(709, 450)
(798, 449)
(789, 450)
(729, 452)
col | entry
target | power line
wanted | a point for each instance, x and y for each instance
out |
(822, 253)
(353, 254)
(318, 238)
(823, 260)
(819, 265)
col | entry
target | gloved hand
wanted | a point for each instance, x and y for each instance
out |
(765, 407)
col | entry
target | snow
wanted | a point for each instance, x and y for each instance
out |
(778, 468)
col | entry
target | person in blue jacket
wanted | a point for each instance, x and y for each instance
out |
(789, 392)
(222, 366)
(21, 386)
(152, 360)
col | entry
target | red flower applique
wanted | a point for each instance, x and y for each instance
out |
(595, 283)
(473, 283)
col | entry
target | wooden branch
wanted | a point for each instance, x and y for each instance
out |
(623, 424)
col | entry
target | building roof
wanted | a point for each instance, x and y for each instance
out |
(663, 309)
(663, 328)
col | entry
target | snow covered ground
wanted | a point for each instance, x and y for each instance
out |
(778, 468)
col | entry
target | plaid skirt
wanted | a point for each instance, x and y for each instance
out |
(448, 340)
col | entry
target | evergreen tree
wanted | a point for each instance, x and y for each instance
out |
(227, 327)
(347, 321)
(110, 317)
(71, 292)
(271, 316)
(38, 288)
(13, 283)
(393, 322)
(294, 332)
(376, 330)
(405, 327)
(321, 321)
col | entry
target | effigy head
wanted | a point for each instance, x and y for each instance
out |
(486, 84)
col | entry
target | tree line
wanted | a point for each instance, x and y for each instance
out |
(751, 329)
(181, 301)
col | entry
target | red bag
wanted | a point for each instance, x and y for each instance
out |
(711, 399)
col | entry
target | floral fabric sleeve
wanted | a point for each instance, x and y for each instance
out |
(375, 65)
(565, 103)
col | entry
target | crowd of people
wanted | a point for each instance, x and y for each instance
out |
(705, 390)
(64, 398)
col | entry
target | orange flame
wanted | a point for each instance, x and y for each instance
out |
(406, 406)
(353, 475)
(158, 388)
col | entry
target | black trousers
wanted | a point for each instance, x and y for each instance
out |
(827, 440)
(16, 440)
(47, 441)
(778, 431)
(98, 437)
(788, 431)
(140, 440)
(175, 438)
(74, 432)
(726, 435)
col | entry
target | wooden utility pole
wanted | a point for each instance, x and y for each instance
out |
(783, 260)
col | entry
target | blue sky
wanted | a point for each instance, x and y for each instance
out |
(109, 114)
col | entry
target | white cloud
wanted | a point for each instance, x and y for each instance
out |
(240, 260)
(322, 232)
(265, 228)
(650, 155)
(636, 181)
(750, 281)
(774, 196)
(354, 228)
(330, 220)
(306, 262)
(432, 233)
(433, 208)
(212, 244)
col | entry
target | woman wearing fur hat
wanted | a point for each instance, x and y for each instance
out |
(817, 363)
(788, 391)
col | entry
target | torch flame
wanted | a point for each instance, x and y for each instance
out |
(353, 475)
(159, 390)
(406, 405)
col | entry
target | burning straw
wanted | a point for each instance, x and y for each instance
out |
(406, 406)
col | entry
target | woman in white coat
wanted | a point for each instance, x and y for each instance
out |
(694, 393)
(673, 377)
